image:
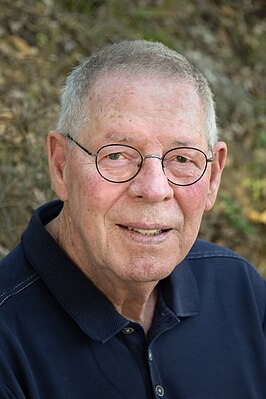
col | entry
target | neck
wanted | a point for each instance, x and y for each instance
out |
(136, 301)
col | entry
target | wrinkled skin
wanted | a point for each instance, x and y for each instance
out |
(153, 116)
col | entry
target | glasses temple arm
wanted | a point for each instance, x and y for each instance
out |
(80, 146)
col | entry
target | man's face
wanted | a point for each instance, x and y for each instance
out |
(138, 230)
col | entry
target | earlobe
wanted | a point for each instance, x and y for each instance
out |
(217, 166)
(57, 159)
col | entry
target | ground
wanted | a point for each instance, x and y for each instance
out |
(40, 41)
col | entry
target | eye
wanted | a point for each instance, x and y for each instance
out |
(181, 159)
(114, 156)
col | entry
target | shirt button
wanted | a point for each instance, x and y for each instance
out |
(150, 355)
(128, 330)
(159, 390)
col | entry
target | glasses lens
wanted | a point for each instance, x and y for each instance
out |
(118, 163)
(184, 166)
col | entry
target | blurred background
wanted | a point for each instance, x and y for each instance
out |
(40, 42)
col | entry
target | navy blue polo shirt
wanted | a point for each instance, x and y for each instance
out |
(60, 338)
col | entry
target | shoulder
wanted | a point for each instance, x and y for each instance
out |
(225, 273)
(16, 274)
(18, 269)
(205, 249)
(215, 257)
(204, 253)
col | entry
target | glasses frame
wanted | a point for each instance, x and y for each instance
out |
(143, 157)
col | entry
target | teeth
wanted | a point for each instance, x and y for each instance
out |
(146, 232)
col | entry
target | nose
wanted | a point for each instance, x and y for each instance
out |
(151, 183)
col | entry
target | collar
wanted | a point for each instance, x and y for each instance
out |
(180, 291)
(80, 298)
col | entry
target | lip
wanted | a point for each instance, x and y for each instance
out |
(146, 226)
(152, 234)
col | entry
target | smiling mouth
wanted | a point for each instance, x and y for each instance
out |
(147, 232)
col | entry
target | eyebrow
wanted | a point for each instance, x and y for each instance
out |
(183, 143)
(124, 138)
(115, 136)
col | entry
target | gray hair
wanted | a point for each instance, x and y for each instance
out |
(132, 58)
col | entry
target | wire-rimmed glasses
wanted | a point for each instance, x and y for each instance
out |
(120, 163)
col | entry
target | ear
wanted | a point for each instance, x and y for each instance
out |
(57, 159)
(217, 166)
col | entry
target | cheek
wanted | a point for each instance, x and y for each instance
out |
(94, 197)
(192, 200)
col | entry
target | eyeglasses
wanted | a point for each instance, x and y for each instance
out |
(119, 163)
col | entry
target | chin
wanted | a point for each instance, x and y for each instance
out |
(149, 273)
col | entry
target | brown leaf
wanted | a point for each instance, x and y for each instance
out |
(22, 46)
(258, 217)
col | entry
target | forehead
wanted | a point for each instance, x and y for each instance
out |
(146, 106)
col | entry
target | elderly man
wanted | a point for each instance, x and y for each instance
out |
(110, 295)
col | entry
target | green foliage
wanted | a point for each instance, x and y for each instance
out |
(41, 39)
(80, 6)
(235, 215)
